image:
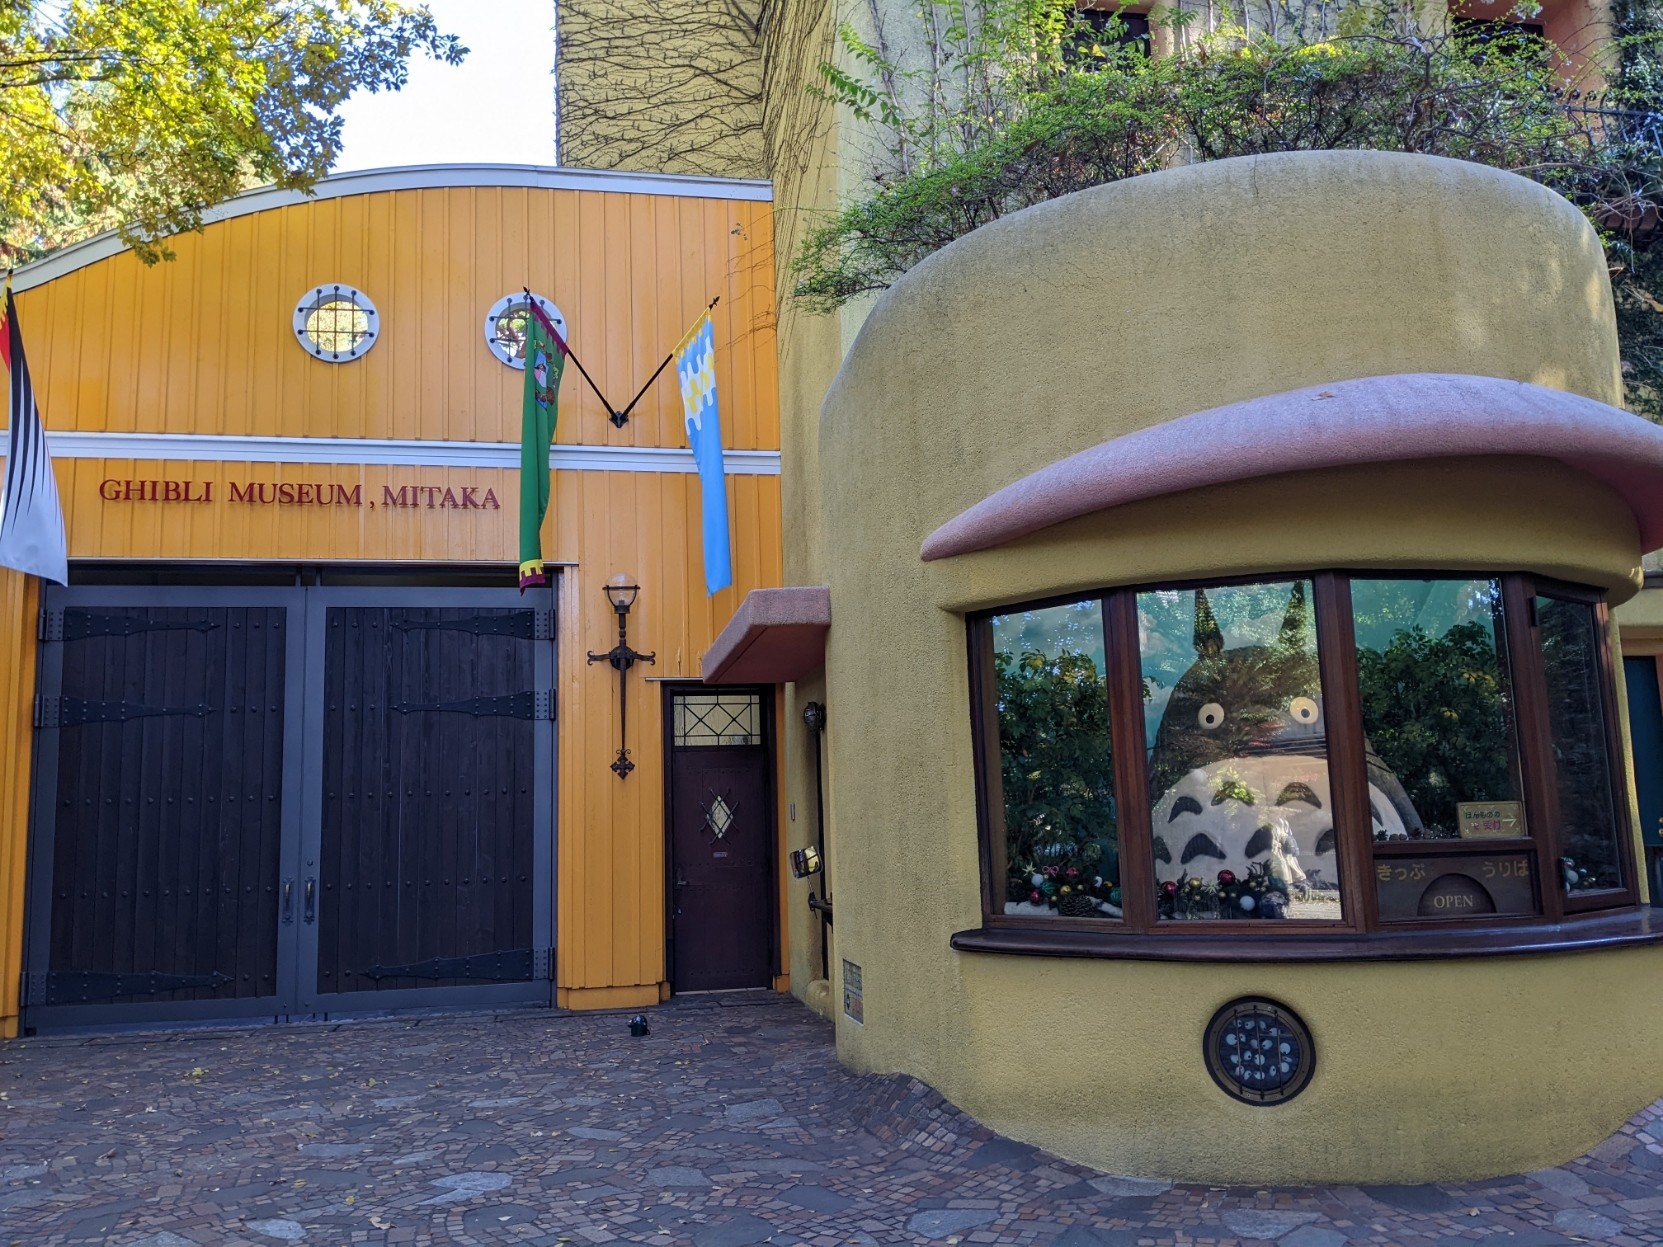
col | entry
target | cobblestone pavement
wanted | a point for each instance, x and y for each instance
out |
(731, 1124)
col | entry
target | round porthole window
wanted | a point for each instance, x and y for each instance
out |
(336, 323)
(505, 326)
(1259, 1051)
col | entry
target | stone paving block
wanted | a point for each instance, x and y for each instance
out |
(940, 1223)
(1314, 1236)
(1091, 1236)
(587, 1194)
(279, 1228)
(1116, 1185)
(331, 1150)
(1005, 1153)
(751, 1110)
(495, 1216)
(739, 1231)
(677, 1175)
(1265, 1223)
(816, 1198)
(1585, 1224)
(1421, 1197)
(1562, 1181)
(1527, 1238)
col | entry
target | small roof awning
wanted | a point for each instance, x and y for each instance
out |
(1367, 420)
(776, 636)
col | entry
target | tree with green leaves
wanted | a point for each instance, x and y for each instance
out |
(1014, 102)
(137, 115)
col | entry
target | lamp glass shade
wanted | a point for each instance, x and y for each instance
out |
(621, 591)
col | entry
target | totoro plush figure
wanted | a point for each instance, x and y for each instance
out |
(1239, 769)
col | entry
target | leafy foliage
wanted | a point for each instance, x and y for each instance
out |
(1026, 103)
(138, 114)
(1055, 764)
(1436, 712)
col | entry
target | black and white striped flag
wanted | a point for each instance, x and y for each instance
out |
(31, 517)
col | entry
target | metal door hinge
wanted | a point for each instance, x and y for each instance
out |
(542, 963)
(51, 625)
(542, 628)
(508, 706)
(32, 989)
(47, 712)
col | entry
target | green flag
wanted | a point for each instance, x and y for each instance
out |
(545, 361)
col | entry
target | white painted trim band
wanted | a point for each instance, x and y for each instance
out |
(230, 448)
(416, 177)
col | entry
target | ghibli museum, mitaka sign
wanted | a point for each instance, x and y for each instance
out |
(405, 495)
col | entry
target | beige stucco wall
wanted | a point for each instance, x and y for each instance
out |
(1093, 316)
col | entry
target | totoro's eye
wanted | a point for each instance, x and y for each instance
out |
(1304, 710)
(1210, 716)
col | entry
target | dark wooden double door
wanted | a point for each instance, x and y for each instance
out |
(260, 802)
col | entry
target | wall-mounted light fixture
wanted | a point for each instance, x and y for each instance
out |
(805, 862)
(620, 593)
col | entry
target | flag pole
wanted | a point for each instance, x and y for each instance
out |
(620, 417)
(533, 309)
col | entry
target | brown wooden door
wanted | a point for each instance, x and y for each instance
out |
(721, 841)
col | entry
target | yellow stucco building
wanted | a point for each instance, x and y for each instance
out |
(1283, 425)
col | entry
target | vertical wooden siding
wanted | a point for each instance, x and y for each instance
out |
(611, 848)
(19, 602)
(205, 343)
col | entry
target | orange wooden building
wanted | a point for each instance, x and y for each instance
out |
(291, 743)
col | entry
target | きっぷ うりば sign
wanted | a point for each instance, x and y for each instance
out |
(408, 496)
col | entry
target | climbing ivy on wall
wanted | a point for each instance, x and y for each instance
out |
(1008, 103)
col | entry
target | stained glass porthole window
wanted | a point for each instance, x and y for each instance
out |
(505, 326)
(336, 323)
(1259, 1051)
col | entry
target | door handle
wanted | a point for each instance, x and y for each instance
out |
(311, 900)
(288, 902)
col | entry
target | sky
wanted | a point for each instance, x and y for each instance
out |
(497, 107)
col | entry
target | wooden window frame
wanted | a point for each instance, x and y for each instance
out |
(1606, 917)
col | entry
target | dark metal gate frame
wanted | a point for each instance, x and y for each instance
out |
(302, 815)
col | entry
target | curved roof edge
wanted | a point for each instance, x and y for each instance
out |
(1393, 418)
(414, 177)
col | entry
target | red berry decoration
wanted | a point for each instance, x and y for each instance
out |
(1169, 888)
(1226, 877)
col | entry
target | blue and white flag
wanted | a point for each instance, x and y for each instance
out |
(31, 517)
(696, 366)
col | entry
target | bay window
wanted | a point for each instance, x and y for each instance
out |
(1305, 756)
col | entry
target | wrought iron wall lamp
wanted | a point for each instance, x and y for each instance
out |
(620, 595)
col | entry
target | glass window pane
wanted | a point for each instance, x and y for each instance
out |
(1438, 710)
(1590, 857)
(1242, 814)
(712, 720)
(1061, 850)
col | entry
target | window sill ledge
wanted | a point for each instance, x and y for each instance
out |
(1576, 934)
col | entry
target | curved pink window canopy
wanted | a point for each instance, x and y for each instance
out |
(1368, 420)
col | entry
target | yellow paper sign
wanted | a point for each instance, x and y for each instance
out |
(1490, 820)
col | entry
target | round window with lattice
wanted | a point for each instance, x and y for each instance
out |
(505, 326)
(336, 323)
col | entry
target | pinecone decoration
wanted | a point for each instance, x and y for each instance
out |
(1076, 905)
